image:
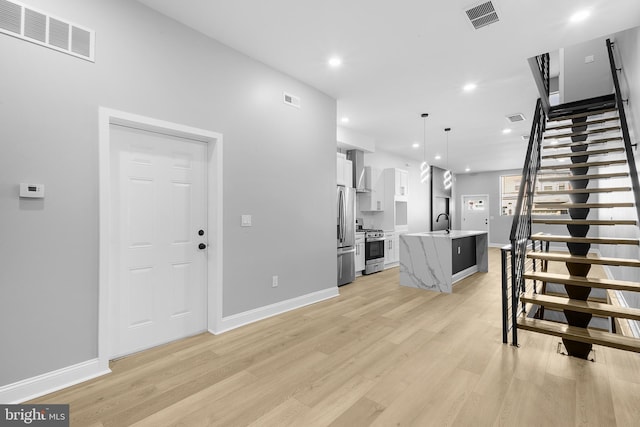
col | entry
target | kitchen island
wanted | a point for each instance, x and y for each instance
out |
(436, 260)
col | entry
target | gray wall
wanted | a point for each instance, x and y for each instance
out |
(582, 81)
(627, 45)
(279, 166)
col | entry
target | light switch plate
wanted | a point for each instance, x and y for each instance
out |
(32, 191)
(589, 59)
(246, 221)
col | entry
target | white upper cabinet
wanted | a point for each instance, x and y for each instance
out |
(344, 171)
(397, 183)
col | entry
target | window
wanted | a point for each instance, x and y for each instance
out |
(510, 187)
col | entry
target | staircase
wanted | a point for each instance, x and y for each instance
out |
(582, 142)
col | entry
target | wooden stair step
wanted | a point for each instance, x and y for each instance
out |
(584, 221)
(567, 257)
(584, 190)
(584, 165)
(567, 205)
(587, 123)
(591, 282)
(579, 115)
(587, 132)
(596, 308)
(594, 299)
(589, 336)
(584, 153)
(579, 143)
(556, 178)
(594, 240)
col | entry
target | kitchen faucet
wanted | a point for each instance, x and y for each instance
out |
(446, 215)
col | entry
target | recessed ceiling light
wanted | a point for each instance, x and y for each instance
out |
(345, 120)
(438, 157)
(469, 87)
(579, 16)
(506, 131)
(467, 169)
(335, 62)
(415, 145)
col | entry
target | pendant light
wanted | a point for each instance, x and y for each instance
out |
(447, 178)
(425, 169)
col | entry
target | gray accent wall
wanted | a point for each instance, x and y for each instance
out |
(586, 80)
(279, 166)
(627, 45)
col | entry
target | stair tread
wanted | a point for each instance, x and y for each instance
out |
(596, 308)
(586, 132)
(567, 205)
(591, 298)
(567, 257)
(584, 114)
(584, 165)
(593, 282)
(580, 143)
(595, 240)
(542, 177)
(584, 153)
(584, 221)
(587, 123)
(574, 333)
(585, 190)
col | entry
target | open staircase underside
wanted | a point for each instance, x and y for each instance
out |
(575, 134)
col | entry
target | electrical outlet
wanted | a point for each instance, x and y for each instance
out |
(274, 282)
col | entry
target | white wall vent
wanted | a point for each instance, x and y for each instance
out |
(22, 21)
(515, 118)
(482, 15)
(292, 100)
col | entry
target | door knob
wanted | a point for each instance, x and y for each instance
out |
(202, 246)
(200, 232)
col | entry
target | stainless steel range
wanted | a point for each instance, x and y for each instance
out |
(373, 251)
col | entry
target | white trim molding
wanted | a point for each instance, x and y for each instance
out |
(235, 321)
(49, 382)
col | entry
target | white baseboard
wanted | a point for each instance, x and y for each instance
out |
(49, 382)
(235, 321)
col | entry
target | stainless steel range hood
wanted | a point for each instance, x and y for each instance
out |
(357, 158)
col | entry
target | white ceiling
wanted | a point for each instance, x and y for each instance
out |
(405, 57)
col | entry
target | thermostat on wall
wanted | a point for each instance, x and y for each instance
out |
(32, 191)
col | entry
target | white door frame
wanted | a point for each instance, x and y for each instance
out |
(107, 117)
(462, 206)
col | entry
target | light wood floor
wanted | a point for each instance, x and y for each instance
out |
(380, 355)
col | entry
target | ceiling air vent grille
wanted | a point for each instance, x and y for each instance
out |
(514, 118)
(26, 23)
(482, 15)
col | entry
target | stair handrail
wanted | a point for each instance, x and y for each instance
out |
(633, 172)
(540, 68)
(521, 227)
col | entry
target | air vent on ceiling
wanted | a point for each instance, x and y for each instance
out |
(291, 100)
(514, 118)
(22, 21)
(482, 15)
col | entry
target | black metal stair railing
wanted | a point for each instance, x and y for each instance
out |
(514, 262)
(633, 172)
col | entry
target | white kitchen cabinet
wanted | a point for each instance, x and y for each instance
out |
(401, 184)
(360, 261)
(395, 204)
(391, 251)
(373, 199)
(344, 170)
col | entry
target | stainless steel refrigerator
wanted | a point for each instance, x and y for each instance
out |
(346, 200)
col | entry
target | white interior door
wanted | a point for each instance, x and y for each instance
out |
(158, 289)
(475, 212)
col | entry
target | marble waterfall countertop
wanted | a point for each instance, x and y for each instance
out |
(426, 259)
